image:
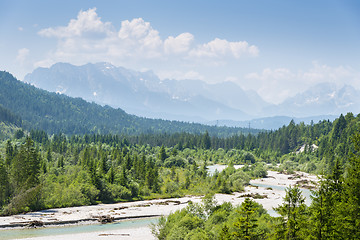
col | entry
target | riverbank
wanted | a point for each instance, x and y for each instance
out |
(269, 192)
(93, 214)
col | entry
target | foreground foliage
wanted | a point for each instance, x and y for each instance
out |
(210, 220)
(333, 214)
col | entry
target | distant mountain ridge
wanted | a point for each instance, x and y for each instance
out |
(144, 94)
(58, 113)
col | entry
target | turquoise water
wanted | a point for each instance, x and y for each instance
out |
(52, 231)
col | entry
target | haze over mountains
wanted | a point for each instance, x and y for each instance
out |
(32, 108)
(144, 94)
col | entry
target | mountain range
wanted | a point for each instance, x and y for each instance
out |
(29, 107)
(145, 94)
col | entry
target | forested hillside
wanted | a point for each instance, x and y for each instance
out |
(57, 113)
(8, 117)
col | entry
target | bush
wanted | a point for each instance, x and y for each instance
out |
(259, 171)
(175, 161)
(25, 201)
(171, 187)
(249, 157)
(120, 192)
(238, 180)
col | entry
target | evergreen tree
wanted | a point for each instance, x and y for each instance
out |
(151, 175)
(4, 184)
(325, 206)
(10, 153)
(111, 175)
(162, 154)
(26, 166)
(350, 208)
(292, 215)
(123, 180)
(48, 155)
(225, 233)
(247, 222)
(206, 141)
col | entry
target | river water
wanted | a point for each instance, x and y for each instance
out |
(51, 232)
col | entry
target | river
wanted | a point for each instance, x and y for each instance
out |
(139, 228)
(119, 230)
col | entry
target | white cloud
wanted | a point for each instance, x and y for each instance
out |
(22, 55)
(88, 39)
(138, 38)
(179, 44)
(86, 24)
(222, 48)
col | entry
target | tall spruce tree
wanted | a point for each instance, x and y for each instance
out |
(247, 221)
(350, 208)
(292, 215)
(26, 166)
(325, 205)
(4, 184)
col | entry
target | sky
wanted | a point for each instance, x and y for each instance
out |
(277, 48)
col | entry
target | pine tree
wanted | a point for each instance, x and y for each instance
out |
(225, 233)
(325, 205)
(206, 141)
(4, 184)
(350, 208)
(292, 214)
(247, 222)
(10, 153)
(162, 154)
(111, 175)
(123, 180)
(26, 166)
(48, 155)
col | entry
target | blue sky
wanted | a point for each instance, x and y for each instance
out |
(277, 48)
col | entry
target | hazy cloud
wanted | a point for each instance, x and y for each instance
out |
(275, 85)
(22, 55)
(222, 48)
(322, 72)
